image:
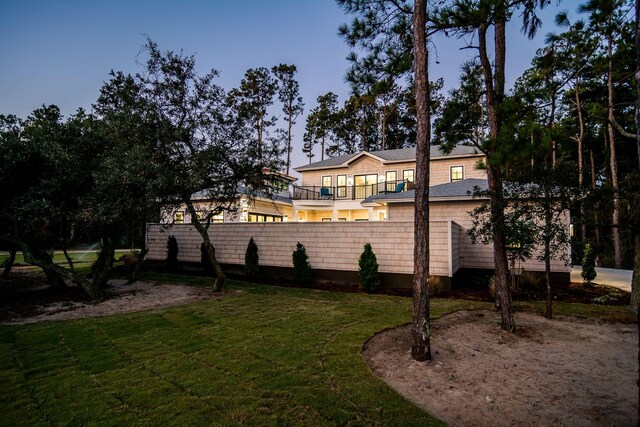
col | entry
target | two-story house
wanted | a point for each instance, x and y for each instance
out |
(376, 186)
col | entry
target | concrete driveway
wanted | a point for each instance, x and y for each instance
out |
(620, 279)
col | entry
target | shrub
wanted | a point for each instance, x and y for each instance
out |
(608, 299)
(129, 260)
(205, 262)
(436, 285)
(368, 270)
(588, 265)
(251, 259)
(492, 286)
(301, 265)
(529, 281)
(172, 254)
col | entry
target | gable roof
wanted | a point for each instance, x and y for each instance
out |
(389, 156)
(449, 191)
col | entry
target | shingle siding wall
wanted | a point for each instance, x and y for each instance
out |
(439, 173)
(331, 246)
(470, 256)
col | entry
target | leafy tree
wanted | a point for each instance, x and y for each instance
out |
(251, 259)
(205, 144)
(289, 96)
(368, 270)
(252, 100)
(204, 259)
(301, 265)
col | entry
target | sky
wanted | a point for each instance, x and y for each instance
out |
(60, 52)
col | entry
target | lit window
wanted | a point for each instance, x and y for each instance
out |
(326, 181)
(342, 185)
(408, 179)
(390, 178)
(178, 217)
(457, 173)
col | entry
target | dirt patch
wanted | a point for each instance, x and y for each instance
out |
(550, 372)
(27, 299)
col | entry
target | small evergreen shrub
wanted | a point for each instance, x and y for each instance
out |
(588, 265)
(301, 265)
(368, 270)
(251, 259)
(172, 254)
(205, 262)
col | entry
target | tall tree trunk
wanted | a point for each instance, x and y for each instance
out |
(133, 275)
(596, 217)
(8, 264)
(635, 285)
(548, 217)
(420, 329)
(321, 149)
(218, 284)
(580, 141)
(617, 245)
(289, 142)
(494, 92)
(104, 263)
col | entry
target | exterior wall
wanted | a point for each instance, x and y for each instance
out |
(455, 234)
(364, 165)
(471, 256)
(330, 245)
(440, 170)
(235, 215)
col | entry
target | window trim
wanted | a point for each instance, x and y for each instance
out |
(330, 181)
(451, 173)
(406, 181)
(387, 187)
(341, 190)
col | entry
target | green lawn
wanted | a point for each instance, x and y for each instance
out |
(264, 356)
(78, 257)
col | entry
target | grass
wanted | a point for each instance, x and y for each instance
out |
(78, 257)
(260, 356)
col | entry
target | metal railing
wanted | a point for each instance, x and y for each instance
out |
(344, 192)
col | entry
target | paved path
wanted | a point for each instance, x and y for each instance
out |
(620, 279)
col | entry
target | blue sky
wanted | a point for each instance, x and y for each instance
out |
(60, 52)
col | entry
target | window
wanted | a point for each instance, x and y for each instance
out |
(407, 178)
(457, 173)
(365, 185)
(214, 218)
(382, 216)
(342, 185)
(257, 217)
(326, 181)
(326, 219)
(390, 177)
(178, 217)
(342, 219)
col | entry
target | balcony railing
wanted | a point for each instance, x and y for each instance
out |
(345, 192)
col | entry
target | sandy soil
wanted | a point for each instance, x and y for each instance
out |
(551, 372)
(118, 298)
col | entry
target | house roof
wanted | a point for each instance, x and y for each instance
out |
(451, 190)
(389, 156)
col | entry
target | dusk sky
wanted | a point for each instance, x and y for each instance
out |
(60, 52)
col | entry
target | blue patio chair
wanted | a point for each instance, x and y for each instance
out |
(325, 192)
(399, 187)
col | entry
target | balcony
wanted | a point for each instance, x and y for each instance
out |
(346, 192)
